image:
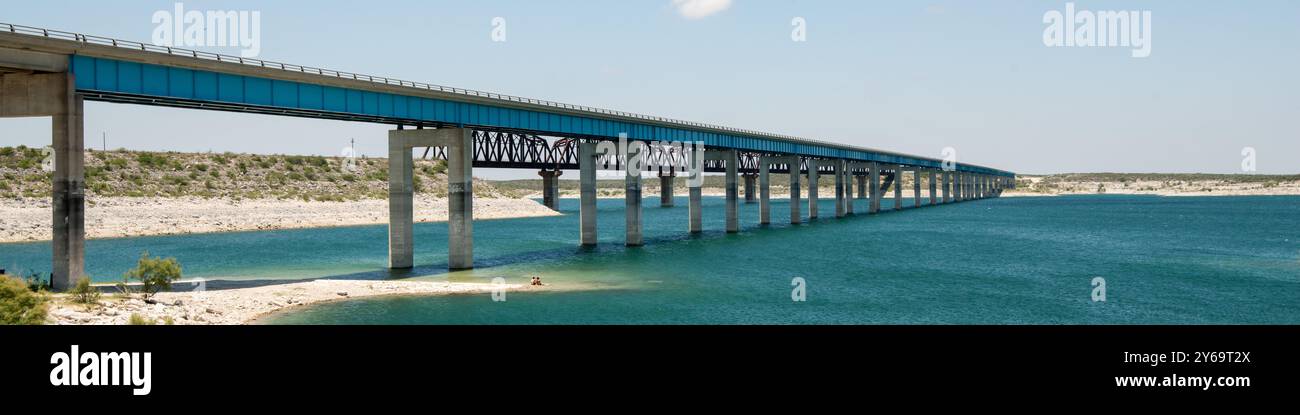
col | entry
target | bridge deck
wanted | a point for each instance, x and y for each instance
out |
(122, 71)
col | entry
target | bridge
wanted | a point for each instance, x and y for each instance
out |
(51, 73)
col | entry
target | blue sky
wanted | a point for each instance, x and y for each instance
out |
(906, 76)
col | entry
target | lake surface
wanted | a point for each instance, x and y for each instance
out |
(1227, 260)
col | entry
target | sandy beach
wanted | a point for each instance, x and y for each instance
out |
(245, 305)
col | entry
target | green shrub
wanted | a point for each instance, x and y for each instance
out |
(154, 274)
(139, 320)
(19, 305)
(222, 159)
(35, 282)
(151, 160)
(84, 293)
(116, 162)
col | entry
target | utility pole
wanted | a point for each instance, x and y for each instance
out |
(104, 137)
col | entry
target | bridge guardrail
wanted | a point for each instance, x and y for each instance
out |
(99, 40)
(127, 44)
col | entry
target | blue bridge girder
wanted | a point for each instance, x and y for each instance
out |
(120, 71)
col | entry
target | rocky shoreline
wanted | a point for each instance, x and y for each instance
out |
(28, 220)
(246, 305)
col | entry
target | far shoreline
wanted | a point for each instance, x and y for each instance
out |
(176, 217)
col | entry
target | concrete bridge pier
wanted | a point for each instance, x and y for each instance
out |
(839, 188)
(53, 95)
(666, 188)
(970, 186)
(632, 194)
(813, 176)
(764, 191)
(956, 187)
(898, 187)
(961, 186)
(750, 197)
(933, 186)
(460, 194)
(795, 216)
(874, 186)
(965, 187)
(849, 176)
(733, 219)
(695, 197)
(862, 185)
(916, 188)
(551, 188)
(947, 187)
(587, 191)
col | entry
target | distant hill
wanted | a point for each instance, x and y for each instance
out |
(1159, 183)
(123, 173)
(221, 175)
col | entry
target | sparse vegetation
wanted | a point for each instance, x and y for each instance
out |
(122, 173)
(84, 293)
(154, 274)
(139, 320)
(19, 304)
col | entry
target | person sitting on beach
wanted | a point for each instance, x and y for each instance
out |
(537, 280)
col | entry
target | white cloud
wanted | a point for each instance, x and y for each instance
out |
(697, 9)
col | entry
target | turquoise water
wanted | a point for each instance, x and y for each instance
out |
(1011, 260)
